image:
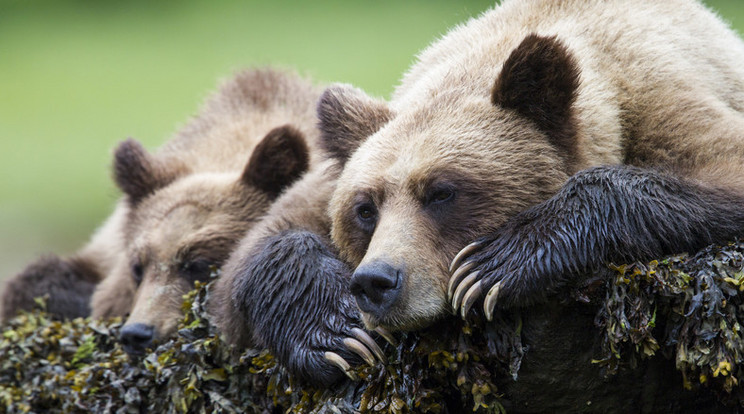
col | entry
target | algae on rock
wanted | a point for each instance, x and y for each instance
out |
(685, 308)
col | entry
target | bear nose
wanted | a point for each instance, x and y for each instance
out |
(376, 287)
(136, 337)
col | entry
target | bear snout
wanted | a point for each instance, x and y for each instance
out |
(136, 337)
(376, 287)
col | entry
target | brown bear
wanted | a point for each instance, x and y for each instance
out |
(560, 136)
(188, 204)
(496, 130)
(195, 199)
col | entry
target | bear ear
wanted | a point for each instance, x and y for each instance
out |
(137, 173)
(539, 80)
(347, 116)
(277, 161)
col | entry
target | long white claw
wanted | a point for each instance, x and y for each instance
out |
(336, 360)
(473, 293)
(462, 288)
(465, 252)
(489, 304)
(387, 335)
(455, 279)
(358, 348)
(370, 343)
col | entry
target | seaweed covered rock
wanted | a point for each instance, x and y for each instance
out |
(689, 309)
(79, 366)
(663, 336)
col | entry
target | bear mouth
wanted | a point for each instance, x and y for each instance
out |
(394, 323)
(370, 321)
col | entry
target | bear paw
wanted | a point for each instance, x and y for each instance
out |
(516, 266)
(362, 345)
(293, 292)
(67, 285)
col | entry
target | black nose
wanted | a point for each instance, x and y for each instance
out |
(376, 287)
(136, 337)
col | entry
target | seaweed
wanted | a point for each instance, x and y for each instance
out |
(78, 366)
(687, 308)
(683, 308)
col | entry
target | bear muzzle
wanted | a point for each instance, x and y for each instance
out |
(136, 337)
(376, 287)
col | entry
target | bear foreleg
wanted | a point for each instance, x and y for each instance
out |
(601, 215)
(66, 285)
(294, 295)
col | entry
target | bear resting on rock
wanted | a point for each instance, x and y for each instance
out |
(560, 136)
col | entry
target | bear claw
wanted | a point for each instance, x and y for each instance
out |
(462, 288)
(367, 340)
(463, 254)
(489, 304)
(360, 344)
(471, 296)
(387, 335)
(338, 361)
(456, 277)
(358, 348)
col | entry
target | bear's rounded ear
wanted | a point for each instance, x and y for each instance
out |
(539, 80)
(277, 161)
(347, 116)
(138, 174)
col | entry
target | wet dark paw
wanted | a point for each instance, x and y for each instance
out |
(516, 266)
(294, 294)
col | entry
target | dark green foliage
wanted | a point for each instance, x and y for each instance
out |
(684, 308)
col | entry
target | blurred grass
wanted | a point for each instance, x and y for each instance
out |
(77, 76)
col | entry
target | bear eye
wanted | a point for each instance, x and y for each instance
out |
(199, 269)
(366, 212)
(137, 273)
(440, 195)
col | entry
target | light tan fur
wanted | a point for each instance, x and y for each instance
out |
(207, 208)
(661, 85)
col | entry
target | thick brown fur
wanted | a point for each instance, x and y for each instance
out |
(498, 114)
(188, 203)
(494, 131)
(253, 139)
(284, 287)
(342, 125)
(559, 134)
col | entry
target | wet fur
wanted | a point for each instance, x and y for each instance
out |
(308, 282)
(65, 284)
(298, 335)
(284, 288)
(604, 214)
(68, 283)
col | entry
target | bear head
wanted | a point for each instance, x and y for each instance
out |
(182, 226)
(435, 175)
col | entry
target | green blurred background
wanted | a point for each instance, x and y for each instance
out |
(78, 76)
